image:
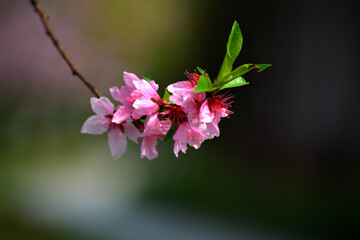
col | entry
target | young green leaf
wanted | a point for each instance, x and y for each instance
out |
(239, 71)
(204, 84)
(226, 68)
(234, 43)
(262, 67)
(233, 49)
(237, 82)
(166, 95)
(147, 78)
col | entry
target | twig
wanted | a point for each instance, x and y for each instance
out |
(44, 19)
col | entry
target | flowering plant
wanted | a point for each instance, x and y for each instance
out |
(189, 112)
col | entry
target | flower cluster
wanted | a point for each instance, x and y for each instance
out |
(192, 117)
(189, 112)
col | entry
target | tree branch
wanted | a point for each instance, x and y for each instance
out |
(44, 19)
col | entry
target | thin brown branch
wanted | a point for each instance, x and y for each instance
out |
(44, 19)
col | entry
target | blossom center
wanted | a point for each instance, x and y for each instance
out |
(220, 103)
(175, 113)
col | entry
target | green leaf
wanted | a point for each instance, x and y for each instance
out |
(239, 71)
(166, 95)
(171, 131)
(226, 68)
(201, 71)
(204, 84)
(233, 49)
(147, 78)
(262, 67)
(237, 82)
(234, 43)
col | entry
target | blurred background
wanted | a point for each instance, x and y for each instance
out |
(286, 165)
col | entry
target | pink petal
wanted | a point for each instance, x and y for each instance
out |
(182, 92)
(221, 113)
(180, 138)
(179, 87)
(135, 116)
(199, 96)
(164, 127)
(102, 106)
(205, 115)
(130, 78)
(145, 88)
(117, 142)
(95, 125)
(116, 93)
(193, 114)
(212, 130)
(179, 145)
(181, 132)
(148, 147)
(131, 131)
(122, 114)
(154, 85)
(136, 94)
(177, 99)
(195, 137)
(144, 106)
(123, 94)
(152, 125)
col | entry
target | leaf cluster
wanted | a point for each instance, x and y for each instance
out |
(227, 77)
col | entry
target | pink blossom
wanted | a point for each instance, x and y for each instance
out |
(183, 95)
(183, 91)
(102, 122)
(187, 134)
(211, 130)
(153, 131)
(138, 96)
(146, 97)
(218, 105)
(195, 105)
(211, 112)
(196, 115)
(124, 94)
(193, 111)
(202, 114)
(208, 114)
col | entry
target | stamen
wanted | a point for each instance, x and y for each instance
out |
(175, 113)
(193, 77)
(220, 103)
